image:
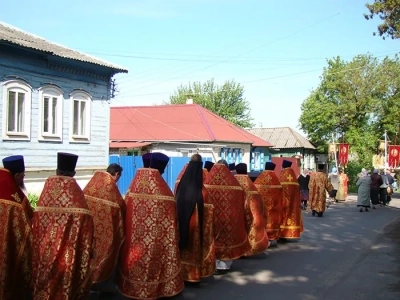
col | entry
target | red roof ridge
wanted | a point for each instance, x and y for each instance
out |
(200, 109)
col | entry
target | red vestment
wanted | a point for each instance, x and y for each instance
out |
(198, 260)
(15, 240)
(318, 186)
(228, 198)
(108, 209)
(62, 241)
(149, 265)
(270, 189)
(292, 221)
(254, 213)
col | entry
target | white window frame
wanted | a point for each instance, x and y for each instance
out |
(81, 96)
(51, 92)
(20, 87)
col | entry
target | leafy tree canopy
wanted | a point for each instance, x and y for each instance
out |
(356, 100)
(389, 12)
(226, 101)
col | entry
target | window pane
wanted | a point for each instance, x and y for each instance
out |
(46, 114)
(76, 118)
(11, 111)
(257, 161)
(20, 124)
(54, 116)
(83, 118)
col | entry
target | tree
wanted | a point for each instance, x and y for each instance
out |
(356, 101)
(389, 12)
(226, 101)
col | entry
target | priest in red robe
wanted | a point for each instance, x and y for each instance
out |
(15, 234)
(108, 210)
(254, 212)
(319, 185)
(292, 221)
(228, 198)
(149, 265)
(62, 236)
(270, 189)
(196, 223)
(16, 165)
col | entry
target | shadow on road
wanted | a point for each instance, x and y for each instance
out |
(326, 263)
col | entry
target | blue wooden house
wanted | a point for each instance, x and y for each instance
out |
(53, 99)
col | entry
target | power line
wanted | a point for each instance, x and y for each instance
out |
(243, 53)
(262, 79)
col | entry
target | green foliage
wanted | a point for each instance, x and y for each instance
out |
(389, 12)
(355, 100)
(226, 101)
(33, 200)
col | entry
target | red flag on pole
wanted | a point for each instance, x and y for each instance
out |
(343, 154)
(393, 156)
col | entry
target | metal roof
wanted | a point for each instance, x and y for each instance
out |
(16, 36)
(282, 137)
(180, 122)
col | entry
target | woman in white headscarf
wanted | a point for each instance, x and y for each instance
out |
(334, 179)
(363, 194)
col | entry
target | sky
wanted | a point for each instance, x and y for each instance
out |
(275, 49)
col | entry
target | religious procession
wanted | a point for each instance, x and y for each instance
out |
(148, 244)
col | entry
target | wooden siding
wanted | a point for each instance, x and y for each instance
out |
(43, 155)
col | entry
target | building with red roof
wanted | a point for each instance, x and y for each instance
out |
(181, 130)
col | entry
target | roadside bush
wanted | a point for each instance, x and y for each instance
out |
(33, 200)
(352, 170)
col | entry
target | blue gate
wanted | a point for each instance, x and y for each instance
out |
(130, 164)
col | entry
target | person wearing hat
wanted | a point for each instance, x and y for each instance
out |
(196, 223)
(254, 212)
(304, 180)
(16, 165)
(232, 168)
(208, 165)
(270, 189)
(108, 209)
(149, 266)
(292, 221)
(334, 179)
(318, 186)
(62, 229)
(15, 237)
(230, 226)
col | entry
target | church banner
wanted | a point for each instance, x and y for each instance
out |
(394, 156)
(343, 154)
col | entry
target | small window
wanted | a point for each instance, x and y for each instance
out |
(50, 113)
(80, 117)
(235, 158)
(17, 113)
(257, 161)
(224, 153)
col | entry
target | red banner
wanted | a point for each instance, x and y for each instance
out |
(343, 154)
(394, 156)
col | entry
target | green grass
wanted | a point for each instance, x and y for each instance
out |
(33, 200)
